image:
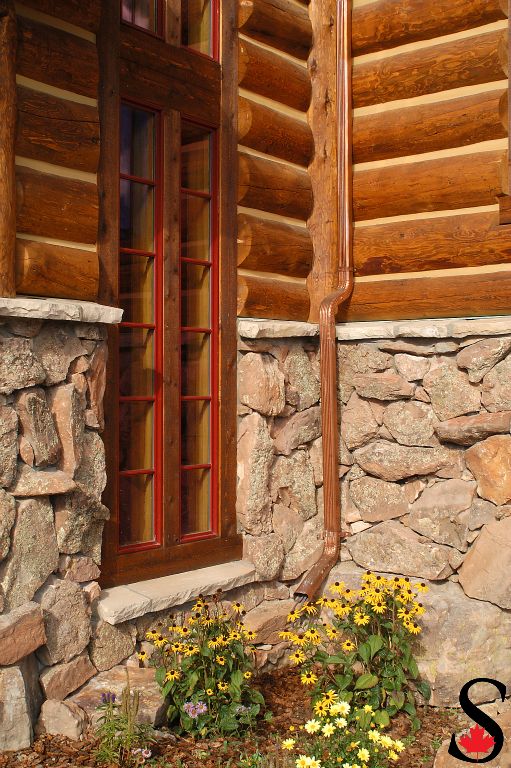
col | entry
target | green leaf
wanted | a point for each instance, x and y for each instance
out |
(381, 718)
(424, 689)
(397, 698)
(160, 675)
(410, 709)
(375, 643)
(343, 681)
(413, 668)
(366, 681)
(193, 679)
(335, 659)
(364, 651)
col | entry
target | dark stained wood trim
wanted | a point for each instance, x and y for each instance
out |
(7, 145)
(81, 13)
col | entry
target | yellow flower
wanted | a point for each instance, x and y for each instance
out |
(238, 607)
(421, 587)
(367, 577)
(313, 763)
(222, 686)
(374, 736)
(309, 609)
(151, 634)
(288, 744)
(328, 729)
(247, 675)
(298, 640)
(312, 726)
(337, 708)
(309, 678)
(404, 613)
(341, 722)
(379, 607)
(419, 609)
(294, 615)
(386, 741)
(286, 634)
(368, 708)
(393, 755)
(220, 660)
(172, 675)
(348, 646)
(176, 647)
(329, 697)
(142, 655)
(332, 632)
(413, 628)
(363, 754)
(343, 708)
(361, 619)
(337, 587)
(313, 635)
(160, 641)
(209, 691)
(302, 762)
(321, 601)
(298, 657)
(398, 745)
(342, 610)
(321, 708)
(234, 635)
(250, 634)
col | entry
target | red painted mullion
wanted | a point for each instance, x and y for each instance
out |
(186, 467)
(138, 179)
(137, 252)
(199, 262)
(135, 472)
(147, 326)
(193, 398)
(192, 329)
(186, 192)
(214, 288)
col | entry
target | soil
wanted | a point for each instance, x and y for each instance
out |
(285, 697)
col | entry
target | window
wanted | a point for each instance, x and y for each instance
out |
(167, 248)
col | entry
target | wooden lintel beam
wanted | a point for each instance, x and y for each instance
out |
(8, 44)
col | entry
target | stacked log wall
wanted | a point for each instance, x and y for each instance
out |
(57, 148)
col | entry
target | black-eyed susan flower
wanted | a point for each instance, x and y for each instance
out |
(222, 686)
(321, 708)
(238, 607)
(293, 615)
(142, 656)
(250, 634)
(209, 692)
(361, 619)
(413, 628)
(421, 586)
(337, 587)
(297, 657)
(348, 646)
(310, 609)
(247, 675)
(308, 678)
(159, 641)
(330, 697)
(220, 660)
(172, 674)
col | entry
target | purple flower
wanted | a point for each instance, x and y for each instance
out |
(108, 697)
(194, 710)
(201, 708)
(146, 754)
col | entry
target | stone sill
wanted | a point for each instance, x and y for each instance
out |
(438, 328)
(119, 604)
(33, 308)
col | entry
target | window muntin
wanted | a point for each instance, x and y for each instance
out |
(146, 14)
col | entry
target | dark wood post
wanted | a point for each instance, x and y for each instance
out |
(8, 44)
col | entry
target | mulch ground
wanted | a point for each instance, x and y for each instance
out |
(285, 698)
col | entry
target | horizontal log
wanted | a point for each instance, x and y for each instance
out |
(412, 130)
(57, 58)
(505, 209)
(388, 23)
(472, 60)
(472, 295)
(57, 130)
(81, 13)
(274, 133)
(52, 270)
(281, 24)
(53, 206)
(273, 298)
(274, 187)
(468, 240)
(8, 38)
(462, 181)
(269, 74)
(269, 246)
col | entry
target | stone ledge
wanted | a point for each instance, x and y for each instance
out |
(439, 328)
(33, 307)
(120, 604)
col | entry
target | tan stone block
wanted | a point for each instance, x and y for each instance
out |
(490, 463)
(21, 633)
(60, 680)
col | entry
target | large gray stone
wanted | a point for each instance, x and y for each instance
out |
(301, 428)
(19, 367)
(467, 430)
(353, 359)
(268, 619)
(55, 347)
(378, 500)
(7, 518)
(383, 386)
(436, 514)
(79, 521)
(292, 484)
(451, 392)
(261, 384)
(485, 570)
(396, 462)
(479, 358)
(37, 426)
(490, 463)
(411, 423)
(91, 473)
(8, 444)
(496, 390)
(302, 388)
(66, 619)
(59, 718)
(255, 457)
(266, 552)
(111, 644)
(60, 680)
(33, 554)
(308, 546)
(15, 714)
(392, 548)
(358, 424)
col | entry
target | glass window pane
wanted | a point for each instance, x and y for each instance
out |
(136, 361)
(195, 296)
(195, 368)
(136, 276)
(137, 216)
(196, 25)
(195, 501)
(143, 13)
(137, 142)
(195, 435)
(136, 509)
(136, 435)
(195, 157)
(195, 230)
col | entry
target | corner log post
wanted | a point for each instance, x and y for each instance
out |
(8, 44)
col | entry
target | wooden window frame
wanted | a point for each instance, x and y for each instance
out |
(183, 84)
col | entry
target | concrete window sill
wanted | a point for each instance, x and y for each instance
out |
(35, 308)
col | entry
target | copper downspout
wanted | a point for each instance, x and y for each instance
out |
(333, 535)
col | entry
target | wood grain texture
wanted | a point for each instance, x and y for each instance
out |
(274, 133)
(57, 58)
(57, 130)
(269, 297)
(467, 240)
(469, 61)
(388, 23)
(276, 77)
(56, 207)
(430, 185)
(7, 146)
(472, 295)
(427, 128)
(52, 270)
(81, 13)
(281, 24)
(269, 246)
(271, 186)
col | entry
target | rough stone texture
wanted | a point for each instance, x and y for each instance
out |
(288, 524)
(358, 424)
(21, 327)
(255, 457)
(308, 546)
(292, 484)
(79, 521)
(301, 428)
(67, 411)
(392, 548)
(96, 383)
(316, 456)
(268, 619)
(110, 644)
(396, 462)
(40, 482)
(21, 633)
(496, 390)
(56, 346)
(411, 423)
(91, 473)
(444, 760)
(490, 463)
(383, 386)
(61, 718)
(8, 444)
(355, 359)
(378, 500)
(436, 514)
(78, 568)
(7, 518)
(479, 358)
(33, 554)
(37, 426)
(481, 512)
(66, 619)
(467, 430)
(302, 389)
(261, 384)
(15, 714)
(266, 552)
(31, 307)
(485, 570)
(411, 367)
(60, 680)
(19, 367)
(451, 392)
(152, 707)
(26, 451)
